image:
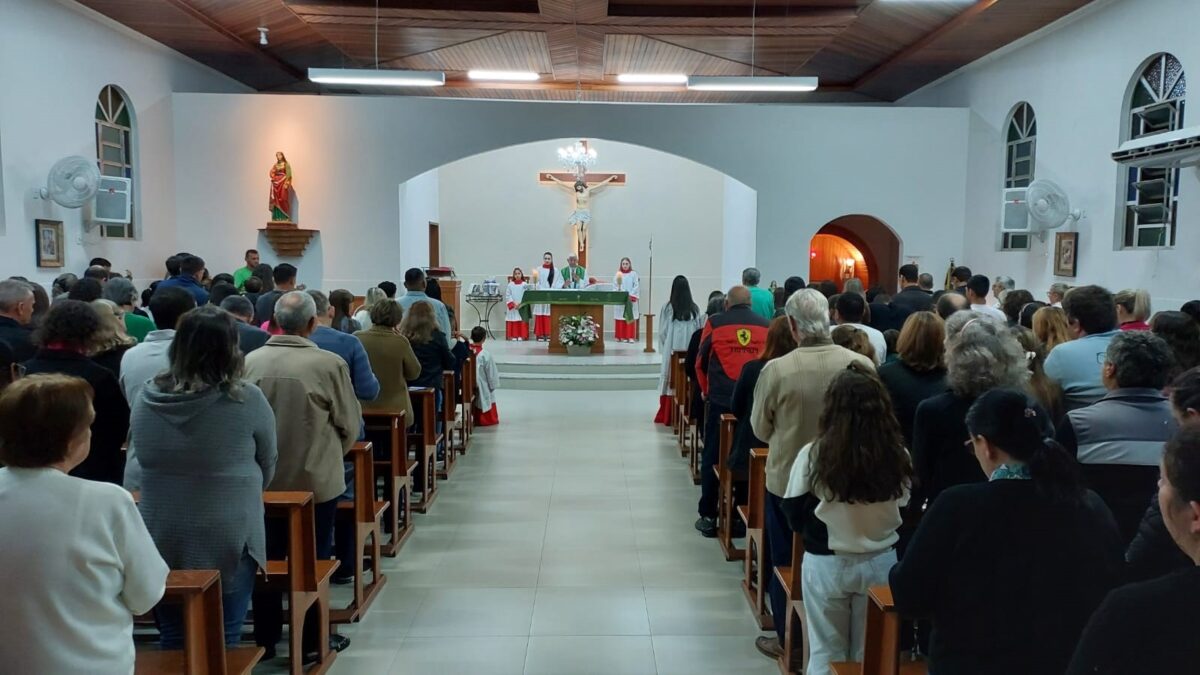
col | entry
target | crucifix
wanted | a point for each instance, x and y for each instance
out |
(582, 186)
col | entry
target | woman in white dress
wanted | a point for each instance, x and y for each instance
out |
(627, 280)
(546, 278)
(680, 318)
(515, 328)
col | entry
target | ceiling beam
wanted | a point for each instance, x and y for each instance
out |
(245, 45)
(960, 20)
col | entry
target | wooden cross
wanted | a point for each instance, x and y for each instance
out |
(592, 180)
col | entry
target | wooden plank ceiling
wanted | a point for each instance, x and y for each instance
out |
(862, 50)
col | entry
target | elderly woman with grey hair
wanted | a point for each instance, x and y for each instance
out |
(981, 355)
(1001, 285)
(121, 291)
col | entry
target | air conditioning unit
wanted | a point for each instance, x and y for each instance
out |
(1014, 216)
(1162, 151)
(112, 203)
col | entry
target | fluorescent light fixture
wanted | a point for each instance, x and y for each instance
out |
(503, 75)
(652, 78)
(752, 83)
(377, 78)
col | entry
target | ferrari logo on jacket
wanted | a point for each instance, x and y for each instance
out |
(744, 336)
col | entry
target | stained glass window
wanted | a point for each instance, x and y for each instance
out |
(114, 147)
(1152, 194)
(1020, 157)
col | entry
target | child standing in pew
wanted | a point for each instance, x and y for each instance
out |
(487, 381)
(844, 496)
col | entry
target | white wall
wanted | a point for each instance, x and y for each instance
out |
(738, 237)
(55, 57)
(420, 205)
(808, 165)
(1076, 76)
(495, 197)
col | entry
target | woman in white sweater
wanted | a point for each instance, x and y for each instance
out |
(844, 496)
(78, 562)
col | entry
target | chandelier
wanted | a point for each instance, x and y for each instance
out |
(578, 157)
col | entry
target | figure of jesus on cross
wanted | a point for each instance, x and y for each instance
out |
(581, 186)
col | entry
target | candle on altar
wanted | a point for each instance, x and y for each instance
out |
(535, 275)
(620, 277)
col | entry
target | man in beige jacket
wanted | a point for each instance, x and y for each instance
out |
(317, 418)
(788, 402)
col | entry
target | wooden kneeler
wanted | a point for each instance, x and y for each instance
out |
(465, 424)
(386, 431)
(725, 478)
(752, 513)
(881, 641)
(365, 512)
(204, 652)
(423, 442)
(447, 418)
(795, 631)
(302, 578)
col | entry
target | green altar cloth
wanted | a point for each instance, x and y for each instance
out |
(572, 297)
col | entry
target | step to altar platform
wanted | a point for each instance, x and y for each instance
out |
(528, 366)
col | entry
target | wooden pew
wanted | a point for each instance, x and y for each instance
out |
(755, 582)
(465, 425)
(365, 514)
(423, 442)
(682, 408)
(447, 418)
(795, 631)
(881, 653)
(204, 652)
(301, 577)
(695, 448)
(725, 478)
(386, 429)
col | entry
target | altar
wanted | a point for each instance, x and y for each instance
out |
(577, 303)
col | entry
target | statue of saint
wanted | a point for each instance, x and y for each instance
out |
(581, 194)
(280, 201)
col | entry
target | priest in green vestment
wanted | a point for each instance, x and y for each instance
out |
(574, 275)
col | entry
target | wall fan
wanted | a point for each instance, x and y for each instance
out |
(72, 182)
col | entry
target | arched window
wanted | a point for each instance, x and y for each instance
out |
(1152, 195)
(1020, 160)
(114, 146)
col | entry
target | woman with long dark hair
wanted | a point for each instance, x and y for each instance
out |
(1009, 569)
(340, 300)
(678, 319)
(205, 509)
(844, 496)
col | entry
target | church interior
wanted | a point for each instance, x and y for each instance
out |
(613, 337)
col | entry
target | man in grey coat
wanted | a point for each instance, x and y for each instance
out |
(317, 419)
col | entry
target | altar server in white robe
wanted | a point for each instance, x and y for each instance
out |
(545, 278)
(679, 319)
(627, 280)
(487, 381)
(515, 327)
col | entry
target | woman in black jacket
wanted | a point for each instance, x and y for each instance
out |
(780, 342)
(1009, 569)
(65, 339)
(981, 354)
(920, 372)
(429, 344)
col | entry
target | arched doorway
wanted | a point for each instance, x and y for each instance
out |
(855, 246)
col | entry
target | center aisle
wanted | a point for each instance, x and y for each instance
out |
(563, 543)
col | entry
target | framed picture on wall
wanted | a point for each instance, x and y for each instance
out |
(51, 249)
(1066, 254)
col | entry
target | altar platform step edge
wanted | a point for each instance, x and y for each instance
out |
(550, 380)
(576, 366)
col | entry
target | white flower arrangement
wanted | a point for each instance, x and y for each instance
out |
(579, 330)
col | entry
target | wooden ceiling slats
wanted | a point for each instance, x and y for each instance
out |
(861, 49)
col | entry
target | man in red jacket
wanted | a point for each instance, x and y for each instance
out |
(730, 340)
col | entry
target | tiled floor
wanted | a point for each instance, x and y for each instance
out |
(562, 544)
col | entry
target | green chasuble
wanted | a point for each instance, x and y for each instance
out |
(579, 272)
(240, 276)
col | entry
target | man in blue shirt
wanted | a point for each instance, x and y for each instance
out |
(414, 283)
(191, 270)
(366, 385)
(1076, 365)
